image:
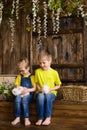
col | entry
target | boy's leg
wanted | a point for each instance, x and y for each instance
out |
(40, 106)
(17, 110)
(48, 108)
(25, 102)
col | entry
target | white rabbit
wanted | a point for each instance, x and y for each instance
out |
(45, 89)
(18, 90)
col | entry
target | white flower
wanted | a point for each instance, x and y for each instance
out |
(1, 8)
(5, 91)
(0, 20)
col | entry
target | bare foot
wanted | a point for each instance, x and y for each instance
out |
(47, 121)
(16, 121)
(27, 122)
(39, 122)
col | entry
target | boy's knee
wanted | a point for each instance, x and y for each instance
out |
(40, 96)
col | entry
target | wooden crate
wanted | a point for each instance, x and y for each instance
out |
(74, 93)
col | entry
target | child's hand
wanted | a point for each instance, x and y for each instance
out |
(38, 88)
(20, 91)
(24, 91)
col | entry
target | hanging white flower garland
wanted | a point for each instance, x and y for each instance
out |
(13, 7)
(45, 18)
(34, 11)
(28, 19)
(1, 8)
(12, 26)
(39, 27)
(28, 28)
(53, 21)
(58, 20)
(17, 9)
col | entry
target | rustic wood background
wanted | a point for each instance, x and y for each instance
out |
(22, 40)
(68, 48)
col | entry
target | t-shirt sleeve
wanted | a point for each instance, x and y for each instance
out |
(57, 81)
(36, 76)
(17, 80)
(33, 80)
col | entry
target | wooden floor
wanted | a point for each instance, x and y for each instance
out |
(66, 116)
(59, 126)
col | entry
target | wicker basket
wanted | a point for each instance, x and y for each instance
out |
(74, 93)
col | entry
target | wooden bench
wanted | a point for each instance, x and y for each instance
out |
(7, 107)
(70, 111)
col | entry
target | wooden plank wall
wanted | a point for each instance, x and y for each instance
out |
(21, 46)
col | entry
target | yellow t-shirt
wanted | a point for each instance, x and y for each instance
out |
(49, 77)
(18, 80)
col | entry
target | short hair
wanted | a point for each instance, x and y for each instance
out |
(23, 62)
(44, 54)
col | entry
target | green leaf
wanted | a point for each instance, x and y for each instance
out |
(28, 29)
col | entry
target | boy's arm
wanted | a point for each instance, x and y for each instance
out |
(38, 88)
(55, 88)
(28, 90)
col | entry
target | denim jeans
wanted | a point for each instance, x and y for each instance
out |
(44, 105)
(22, 102)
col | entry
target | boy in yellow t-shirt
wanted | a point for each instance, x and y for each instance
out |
(26, 81)
(47, 83)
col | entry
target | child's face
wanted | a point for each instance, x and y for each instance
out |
(45, 64)
(24, 70)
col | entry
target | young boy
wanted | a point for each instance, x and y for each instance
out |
(25, 80)
(47, 83)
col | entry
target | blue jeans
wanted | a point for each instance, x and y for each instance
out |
(22, 102)
(44, 105)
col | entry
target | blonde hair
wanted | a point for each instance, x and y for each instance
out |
(45, 55)
(23, 62)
